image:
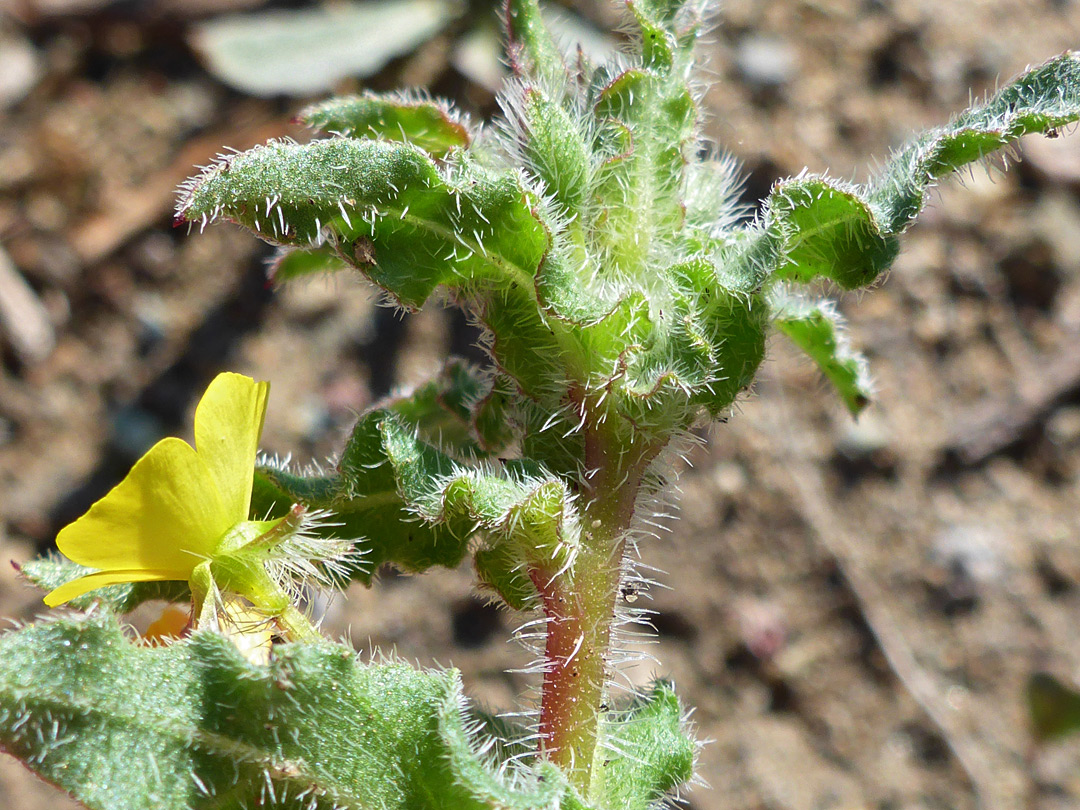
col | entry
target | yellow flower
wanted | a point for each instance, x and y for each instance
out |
(180, 507)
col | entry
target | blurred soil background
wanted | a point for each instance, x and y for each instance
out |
(856, 606)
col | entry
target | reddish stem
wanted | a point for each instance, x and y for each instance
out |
(580, 608)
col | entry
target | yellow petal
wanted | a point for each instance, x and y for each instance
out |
(228, 424)
(166, 515)
(99, 579)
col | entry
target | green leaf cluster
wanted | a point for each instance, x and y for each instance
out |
(625, 299)
(411, 504)
(601, 251)
(195, 725)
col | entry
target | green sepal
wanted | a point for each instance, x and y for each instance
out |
(650, 751)
(54, 569)
(817, 329)
(407, 224)
(665, 12)
(195, 725)
(429, 124)
(384, 530)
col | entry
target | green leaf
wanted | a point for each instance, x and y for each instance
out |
(500, 570)
(645, 120)
(308, 51)
(195, 725)
(494, 416)
(1053, 707)
(410, 226)
(515, 502)
(289, 264)
(817, 329)
(649, 752)
(54, 570)
(829, 231)
(848, 233)
(642, 183)
(366, 504)
(530, 47)
(388, 209)
(442, 409)
(526, 345)
(556, 150)
(429, 124)
(658, 44)
(410, 504)
(706, 342)
(1042, 99)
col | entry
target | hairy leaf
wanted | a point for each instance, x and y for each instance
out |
(423, 122)
(366, 504)
(644, 120)
(556, 150)
(707, 341)
(817, 329)
(409, 504)
(195, 725)
(290, 264)
(1040, 100)
(848, 233)
(388, 209)
(830, 231)
(442, 409)
(650, 751)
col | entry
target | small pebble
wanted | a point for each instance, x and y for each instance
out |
(763, 628)
(24, 321)
(765, 61)
(729, 478)
(20, 69)
(965, 561)
(972, 550)
(1063, 426)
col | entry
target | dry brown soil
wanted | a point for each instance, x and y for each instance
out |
(855, 606)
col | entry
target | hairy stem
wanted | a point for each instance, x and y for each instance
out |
(580, 607)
